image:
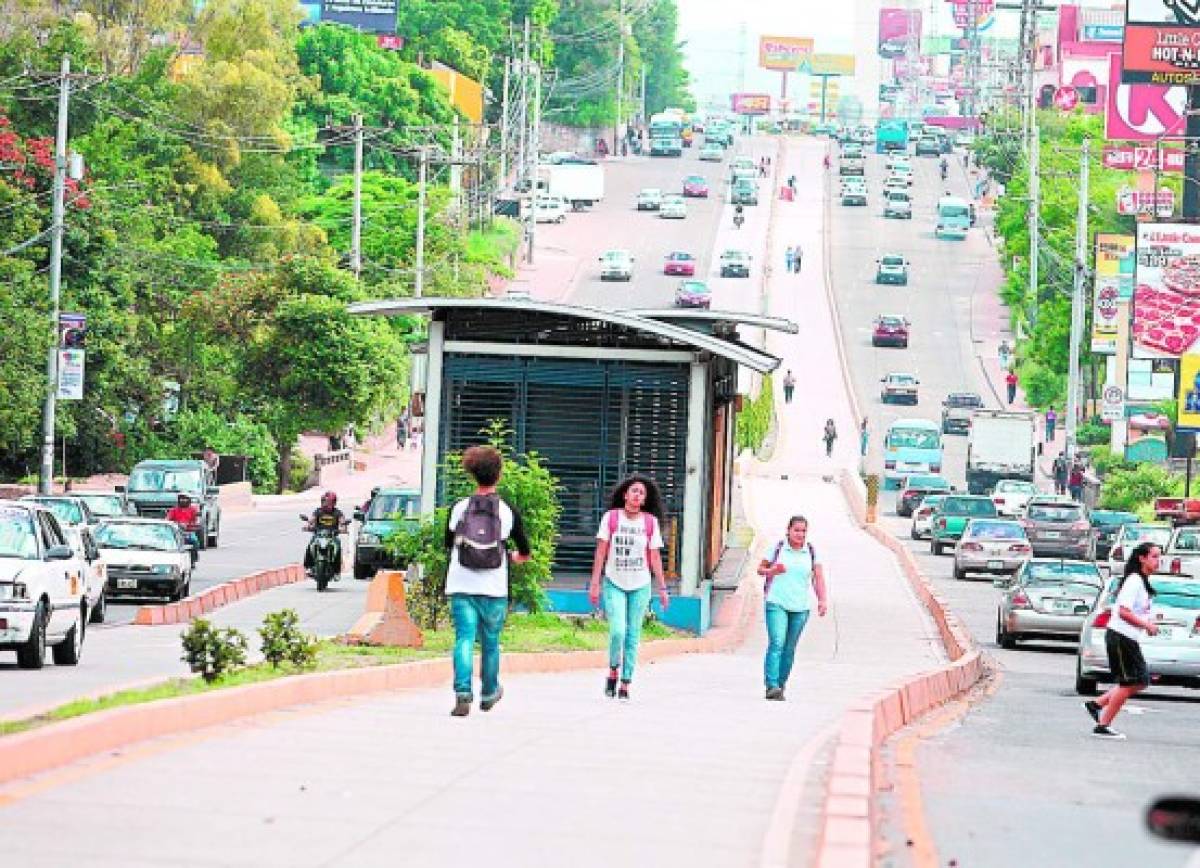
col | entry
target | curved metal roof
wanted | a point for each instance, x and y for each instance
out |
(752, 358)
(717, 317)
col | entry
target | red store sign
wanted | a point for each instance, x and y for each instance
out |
(1144, 159)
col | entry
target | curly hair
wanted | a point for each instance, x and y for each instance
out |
(654, 501)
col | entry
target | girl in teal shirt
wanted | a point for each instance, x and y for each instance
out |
(792, 574)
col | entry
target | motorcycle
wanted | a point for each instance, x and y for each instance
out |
(326, 557)
(738, 218)
(943, 168)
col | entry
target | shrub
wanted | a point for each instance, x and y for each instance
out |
(282, 639)
(192, 430)
(1042, 386)
(1104, 460)
(301, 469)
(213, 651)
(754, 421)
(1092, 432)
(1133, 488)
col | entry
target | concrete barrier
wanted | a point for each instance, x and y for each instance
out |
(190, 608)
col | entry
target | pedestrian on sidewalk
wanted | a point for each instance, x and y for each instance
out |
(829, 436)
(1060, 474)
(797, 258)
(628, 553)
(791, 575)
(1051, 421)
(789, 386)
(789, 256)
(1075, 480)
(792, 183)
(762, 167)
(1010, 380)
(1004, 351)
(1129, 620)
(864, 437)
(477, 535)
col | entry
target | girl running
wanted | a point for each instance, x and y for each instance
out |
(792, 573)
(628, 552)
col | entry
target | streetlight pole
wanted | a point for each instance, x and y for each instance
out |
(1077, 299)
(422, 180)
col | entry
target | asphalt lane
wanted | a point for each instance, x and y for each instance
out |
(1021, 774)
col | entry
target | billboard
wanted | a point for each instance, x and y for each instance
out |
(1141, 112)
(785, 53)
(750, 103)
(1166, 296)
(1144, 159)
(833, 64)
(1188, 408)
(897, 28)
(1159, 46)
(371, 16)
(1113, 285)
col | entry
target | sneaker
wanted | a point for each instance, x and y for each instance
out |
(462, 706)
(610, 685)
(623, 692)
(1102, 731)
(490, 703)
(774, 693)
(1093, 708)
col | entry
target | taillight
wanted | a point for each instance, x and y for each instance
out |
(1102, 618)
(906, 493)
(1020, 601)
(997, 500)
(1196, 626)
(942, 523)
(971, 547)
(1019, 547)
(1176, 566)
(937, 468)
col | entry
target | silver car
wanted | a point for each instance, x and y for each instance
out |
(1172, 656)
(1048, 598)
(1128, 536)
(922, 515)
(991, 545)
(1058, 528)
(616, 265)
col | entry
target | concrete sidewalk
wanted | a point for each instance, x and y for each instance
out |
(697, 770)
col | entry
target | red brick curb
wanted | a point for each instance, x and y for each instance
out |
(190, 608)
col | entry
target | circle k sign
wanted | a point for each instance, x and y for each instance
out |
(1066, 98)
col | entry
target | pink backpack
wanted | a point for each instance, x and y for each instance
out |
(613, 518)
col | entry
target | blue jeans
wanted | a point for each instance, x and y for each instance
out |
(626, 610)
(783, 632)
(483, 616)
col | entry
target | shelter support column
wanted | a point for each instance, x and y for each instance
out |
(692, 554)
(431, 439)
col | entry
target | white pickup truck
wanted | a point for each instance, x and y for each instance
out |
(1182, 554)
(43, 587)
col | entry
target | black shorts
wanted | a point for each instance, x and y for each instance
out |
(1125, 660)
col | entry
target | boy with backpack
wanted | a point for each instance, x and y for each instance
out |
(477, 578)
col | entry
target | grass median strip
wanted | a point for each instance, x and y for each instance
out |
(522, 633)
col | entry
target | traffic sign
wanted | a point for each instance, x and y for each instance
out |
(1066, 98)
(1112, 407)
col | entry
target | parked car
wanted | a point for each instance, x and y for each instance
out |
(1105, 525)
(1011, 495)
(43, 590)
(890, 330)
(550, 209)
(991, 545)
(154, 488)
(1058, 528)
(69, 510)
(95, 570)
(390, 511)
(695, 187)
(680, 264)
(616, 265)
(649, 199)
(1172, 656)
(147, 557)
(693, 293)
(735, 263)
(673, 208)
(1046, 599)
(106, 504)
(922, 517)
(957, 410)
(891, 268)
(899, 388)
(915, 487)
(1128, 536)
(953, 513)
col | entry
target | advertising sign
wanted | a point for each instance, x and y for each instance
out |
(1066, 98)
(1113, 285)
(371, 16)
(897, 27)
(1166, 296)
(785, 53)
(1162, 42)
(1143, 159)
(1131, 201)
(833, 64)
(1189, 393)
(72, 331)
(983, 10)
(1142, 112)
(70, 375)
(1103, 32)
(750, 103)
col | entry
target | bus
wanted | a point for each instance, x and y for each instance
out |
(891, 134)
(911, 446)
(666, 136)
(953, 217)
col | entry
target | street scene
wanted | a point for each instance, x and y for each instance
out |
(612, 432)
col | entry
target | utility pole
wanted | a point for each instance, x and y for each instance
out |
(1191, 162)
(620, 78)
(536, 138)
(1035, 216)
(523, 112)
(422, 179)
(504, 134)
(642, 100)
(46, 477)
(1078, 302)
(356, 223)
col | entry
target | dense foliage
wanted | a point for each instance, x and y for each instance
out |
(754, 420)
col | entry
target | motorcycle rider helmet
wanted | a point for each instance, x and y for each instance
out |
(329, 498)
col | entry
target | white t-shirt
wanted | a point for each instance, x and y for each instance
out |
(486, 583)
(628, 564)
(1133, 597)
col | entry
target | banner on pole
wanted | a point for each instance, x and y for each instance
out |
(70, 375)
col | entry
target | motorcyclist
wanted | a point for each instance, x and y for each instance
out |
(186, 516)
(827, 161)
(943, 167)
(326, 517)
(738, 216)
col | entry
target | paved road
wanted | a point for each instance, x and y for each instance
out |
(1024, 758)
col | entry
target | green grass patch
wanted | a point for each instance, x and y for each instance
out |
(522, 633)
(493, 246)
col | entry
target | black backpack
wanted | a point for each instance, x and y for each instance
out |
(478, 535)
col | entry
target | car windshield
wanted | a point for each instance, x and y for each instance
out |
(898, 195)
(17, 538)
(651, 193)
(1012, 486)
(103, 504)
(981, 506)
(693, 179)
(150, 537)
(693, 286)
(163, 479)
(1054, 512)
(895, 322)
(384, 506)
(964, 401)
(1177, 595)
(1147, 533)
(952, 210)
(681, 257)
(932, 501)
(996, 530)
(912, 438)
(66, 511)
(616, 256)
(1105, 518)
(1063, 573)
(893, 260)
(733, 255)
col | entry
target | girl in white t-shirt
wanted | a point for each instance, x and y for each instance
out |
(628, 552)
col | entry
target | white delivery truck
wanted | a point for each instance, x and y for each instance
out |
(580, 183)
(1001, 445)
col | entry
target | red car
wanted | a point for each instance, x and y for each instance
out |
(890, 331)
(695, 187)
(681, 264)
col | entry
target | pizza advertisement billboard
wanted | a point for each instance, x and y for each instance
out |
(1113, 285)
(832, 64)
(1142, 112)
(785, 53)
(1166, 296)
(897, 29)
(1162, 42)
(750, 103)
(1188, 407)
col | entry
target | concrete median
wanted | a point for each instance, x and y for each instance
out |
(190, 608)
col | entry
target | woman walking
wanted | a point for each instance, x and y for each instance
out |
(628, 552)
(1129, 620)
(792, 573)
(829, 437)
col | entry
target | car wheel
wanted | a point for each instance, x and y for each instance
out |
(362, 572)
(201, 541)
(32, 653)
(215, 536)
(100, 610)
(68, 652)
(934, 548)
(183, 591)
(960, 574)
(1084, 686)
(1003, 638)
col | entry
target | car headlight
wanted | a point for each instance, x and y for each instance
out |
(164, 569)
(369, 539)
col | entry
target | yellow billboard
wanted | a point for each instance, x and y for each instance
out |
(833, 64)
(1189, 392)
(466, 94)
(785, 53)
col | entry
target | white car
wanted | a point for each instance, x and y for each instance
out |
(922, 516)
(43, 599)
(903, 173)
(147, 557)
(616, 265)
(83, 543)
(1011, 495)
(649, 199)
(673, 208)
(1129, 535)
(897, 203)
(550, 209)
(854, 193)
(898, 161)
